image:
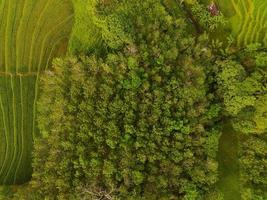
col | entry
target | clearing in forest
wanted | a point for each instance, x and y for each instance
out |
(32, 32)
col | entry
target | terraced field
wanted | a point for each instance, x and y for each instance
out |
(32, 32)
(248, 20)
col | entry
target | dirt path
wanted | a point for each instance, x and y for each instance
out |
(229, 183)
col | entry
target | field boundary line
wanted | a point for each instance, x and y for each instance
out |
(6, 132)
(17, 34)
(15, 141)
(33, 39)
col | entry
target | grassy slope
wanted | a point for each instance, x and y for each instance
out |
(32, 32)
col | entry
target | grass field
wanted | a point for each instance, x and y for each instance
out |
(247, 20)
(32, 32)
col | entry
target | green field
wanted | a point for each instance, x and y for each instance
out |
(32, 33)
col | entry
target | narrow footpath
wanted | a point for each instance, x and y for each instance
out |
(229, 183)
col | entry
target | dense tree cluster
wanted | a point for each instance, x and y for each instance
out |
(134, 122)
(135, 129)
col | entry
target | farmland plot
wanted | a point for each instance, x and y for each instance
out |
(32, 33)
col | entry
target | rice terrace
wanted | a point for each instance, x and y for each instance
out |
(32, 32)
(248, 19)
(133, 99)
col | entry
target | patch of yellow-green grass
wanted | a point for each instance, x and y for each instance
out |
(32, 33)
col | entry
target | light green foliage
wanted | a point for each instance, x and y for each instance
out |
(261, 60)
(230, 77)
(243, 89)
(86, 35)
(205, 19)
(96, 28)
(31, 34)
